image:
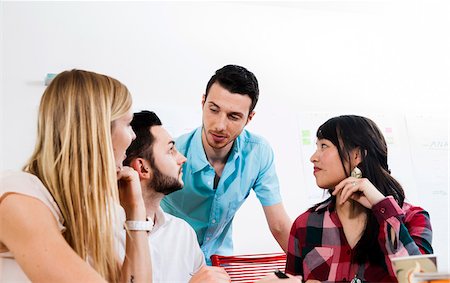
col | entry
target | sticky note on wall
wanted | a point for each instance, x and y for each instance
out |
(48, 78)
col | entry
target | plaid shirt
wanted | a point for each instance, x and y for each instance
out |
(319, 250)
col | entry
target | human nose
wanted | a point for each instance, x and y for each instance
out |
(314, 157)
(181, 158)
(221, 123)
(133, 135)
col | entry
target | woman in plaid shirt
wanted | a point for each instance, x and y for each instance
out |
(352, 235)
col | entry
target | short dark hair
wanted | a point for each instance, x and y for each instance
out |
(142, 146)
(236, 79)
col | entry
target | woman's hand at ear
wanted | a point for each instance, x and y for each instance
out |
(130, 193)
(137, 265)
(359, 190)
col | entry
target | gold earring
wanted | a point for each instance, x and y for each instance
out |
(356, 173)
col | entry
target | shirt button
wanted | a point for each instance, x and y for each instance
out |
(348, 252)
(382, 210)
(207, 238)
(209, 183)
(213, 221)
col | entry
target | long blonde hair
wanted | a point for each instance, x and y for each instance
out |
(74, 159)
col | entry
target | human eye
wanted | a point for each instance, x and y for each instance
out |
(128, 122)
(322, 144)
(214, 109)
(234, 117)
(172, 149)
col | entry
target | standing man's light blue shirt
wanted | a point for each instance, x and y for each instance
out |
(210, 212)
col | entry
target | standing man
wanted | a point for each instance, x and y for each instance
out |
(225, 162)
(176, 255)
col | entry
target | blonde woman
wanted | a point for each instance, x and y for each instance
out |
(58, 217)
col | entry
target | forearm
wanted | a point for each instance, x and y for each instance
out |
(279, 224)
(210, 274)
(401, 234)
(137, 263)
(281, 233)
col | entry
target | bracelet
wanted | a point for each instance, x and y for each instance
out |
(133, 225)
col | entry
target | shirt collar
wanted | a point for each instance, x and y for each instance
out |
(237, 145)
(328, 204)
(198, 159)
(160, 220)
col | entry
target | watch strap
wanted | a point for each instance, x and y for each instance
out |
(134, 225)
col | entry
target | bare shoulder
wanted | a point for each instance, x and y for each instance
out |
(24, 213)
(30, 231)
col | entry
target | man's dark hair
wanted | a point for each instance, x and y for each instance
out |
(142, 146)
(236, 79)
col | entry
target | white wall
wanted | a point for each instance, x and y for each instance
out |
(383, 59)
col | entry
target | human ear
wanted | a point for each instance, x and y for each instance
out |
(355, 159)
(250, 116)
(203, 100)
(142, 167)
(357, 156)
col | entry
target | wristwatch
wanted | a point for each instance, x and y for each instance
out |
(133, 225)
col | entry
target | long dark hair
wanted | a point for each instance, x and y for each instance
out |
(348, 132)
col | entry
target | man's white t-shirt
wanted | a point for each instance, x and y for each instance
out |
(174, 249)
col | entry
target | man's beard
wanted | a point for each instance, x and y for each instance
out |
(164, 184)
